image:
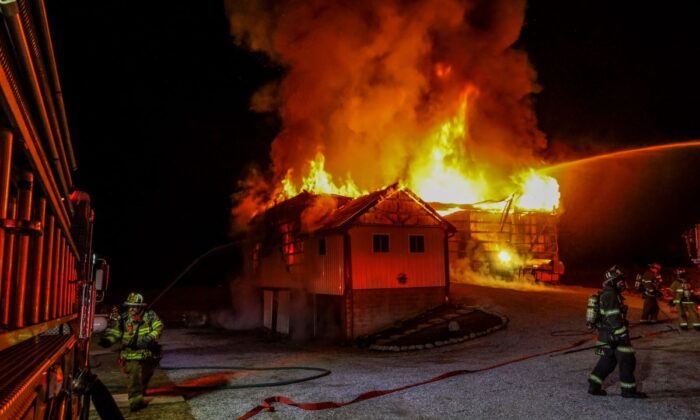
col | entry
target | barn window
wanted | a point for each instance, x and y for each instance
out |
(416, 243)
(380, 242)
(292, 247)
(322, 246)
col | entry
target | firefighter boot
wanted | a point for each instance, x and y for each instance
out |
(633, 393)
(137, 403)
(595, 388)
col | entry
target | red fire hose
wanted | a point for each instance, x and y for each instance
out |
(266, 404)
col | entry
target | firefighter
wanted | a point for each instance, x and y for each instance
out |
(651, 282)
(138, 330)
(682, 290)
(614, 345)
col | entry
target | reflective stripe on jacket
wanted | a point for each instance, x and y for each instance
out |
(127, 330)
(613, 323)
(682, 293)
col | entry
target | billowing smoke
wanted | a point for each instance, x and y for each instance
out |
(313, 216)
(462, 272)
(368, 81)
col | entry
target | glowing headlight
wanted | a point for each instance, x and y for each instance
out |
(504, 257)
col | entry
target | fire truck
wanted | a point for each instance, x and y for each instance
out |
(49, 280)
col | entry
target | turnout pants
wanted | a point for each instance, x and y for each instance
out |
(650, 311)
(610, 357)
(139, 372)
(688, 315)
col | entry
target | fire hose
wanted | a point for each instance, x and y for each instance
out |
(637, 337)
(266, 404)
(188, 268)
(323, 372)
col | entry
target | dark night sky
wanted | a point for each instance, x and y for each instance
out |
(157, 100)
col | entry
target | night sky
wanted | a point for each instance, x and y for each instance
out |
(157, 100)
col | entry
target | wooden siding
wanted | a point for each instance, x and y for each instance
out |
(398, 209)
(324, 273)
(381, 270)
(533, 235)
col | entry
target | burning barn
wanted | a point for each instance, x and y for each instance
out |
(436, 98)
(333, 266)
(501, 240)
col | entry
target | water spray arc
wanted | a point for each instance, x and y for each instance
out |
(621, 154)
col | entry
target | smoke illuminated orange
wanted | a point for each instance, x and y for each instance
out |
(432, 95)
(443, 173)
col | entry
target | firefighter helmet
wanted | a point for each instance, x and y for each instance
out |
(134, 299)
(655, 266)
(681, 273)
(614, 277)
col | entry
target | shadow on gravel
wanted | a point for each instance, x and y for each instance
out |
(676, 393)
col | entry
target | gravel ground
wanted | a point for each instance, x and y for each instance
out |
(668, 366)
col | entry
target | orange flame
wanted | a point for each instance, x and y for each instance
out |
(319, 181)
(442, 70)
(538, 192)
(444, 172)
(441, 173)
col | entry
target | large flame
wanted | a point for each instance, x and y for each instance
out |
(538, 192)
(318, 181)
(432, 94)
(444, 173)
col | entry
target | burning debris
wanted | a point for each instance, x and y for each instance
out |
(500, 240)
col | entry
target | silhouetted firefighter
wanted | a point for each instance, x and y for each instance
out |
(614, 345)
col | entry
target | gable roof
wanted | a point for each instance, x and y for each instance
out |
(292, 208)
(339, 218)
(349, 212)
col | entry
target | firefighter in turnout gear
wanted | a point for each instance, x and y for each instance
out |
(651, 283)
(137, 330)
(682, 290)
(614, 344)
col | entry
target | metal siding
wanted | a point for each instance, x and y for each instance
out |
(273, 271)
(380, 270)
(268, 297)
(325, 272)
(283, 311)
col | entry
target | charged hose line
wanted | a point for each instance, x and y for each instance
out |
(322, 373)
(570, 333)
(647, 335)
(189, 267)
(266, 404)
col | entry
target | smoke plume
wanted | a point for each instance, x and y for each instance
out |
(368, 81)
